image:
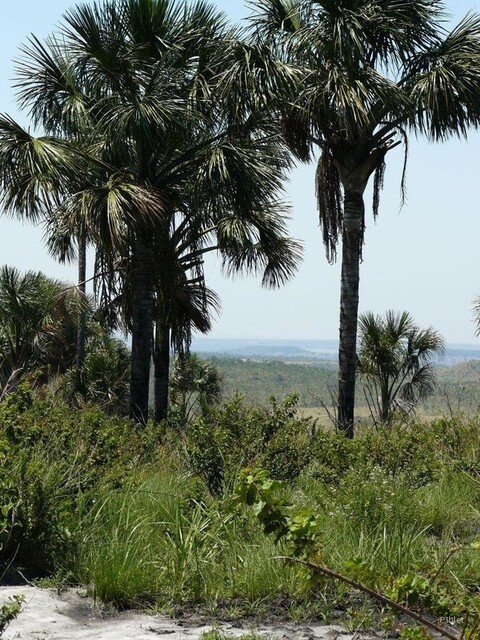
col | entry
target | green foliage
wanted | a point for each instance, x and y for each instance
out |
(9, 611)
(236, 435)
(38, 325)
(407, 449)
(106, 374)
(206, 455)
(374, 527)
(258, 379)
(414, 633)
(218, 634)
(53, 456)
(456, 392)
(91, 497)
(161, 538)
(195, 386)
(395, 357)
(300, 528)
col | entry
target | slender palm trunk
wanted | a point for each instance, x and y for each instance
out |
(142, 329)
(161, 360)
(82, 316)
(351, 252)
(386, 403)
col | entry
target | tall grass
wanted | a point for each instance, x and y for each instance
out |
(388, 505)
(153, 542)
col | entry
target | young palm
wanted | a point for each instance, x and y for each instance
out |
(144, 72)
(38, 321)
(395, 359)
(195, 386)
(350, 79)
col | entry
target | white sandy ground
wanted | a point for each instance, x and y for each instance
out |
(72, 616)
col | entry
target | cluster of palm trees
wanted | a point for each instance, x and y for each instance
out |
(147, 158)
(168, 134)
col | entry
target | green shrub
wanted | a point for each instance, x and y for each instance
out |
(332, 455)
(236, 435)
(52, 456)
(399, 449)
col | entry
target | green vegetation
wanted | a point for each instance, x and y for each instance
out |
(168, 135)
(9, 611)
(457, 390)
(259, 379)
(149, 159)
(38, 325)
(395, 361)
(149, 517)
(366, 75)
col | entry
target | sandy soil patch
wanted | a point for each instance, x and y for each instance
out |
(72, 616)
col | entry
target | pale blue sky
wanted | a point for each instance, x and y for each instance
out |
(423, 259)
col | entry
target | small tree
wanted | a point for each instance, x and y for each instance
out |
(195, 385)
(395, 360)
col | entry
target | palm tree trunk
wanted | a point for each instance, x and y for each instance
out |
(351, 252)
(161, 360)
(143, 269)
(82, 316)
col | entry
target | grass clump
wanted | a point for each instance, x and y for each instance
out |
(153, 542)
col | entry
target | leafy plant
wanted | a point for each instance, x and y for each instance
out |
(195, 386)
(236, 435)
(301, 530)
(9, 611)
(52, 457)
(395, 358)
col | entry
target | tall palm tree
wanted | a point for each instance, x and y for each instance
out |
(183, 302)
(396, 360)
(350, 79)
(144, 73)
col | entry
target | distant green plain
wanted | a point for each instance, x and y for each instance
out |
(457, 391)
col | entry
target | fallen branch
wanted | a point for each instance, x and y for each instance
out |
(374, 594)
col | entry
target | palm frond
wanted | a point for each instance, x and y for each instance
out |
(443, 83)
(34, 171)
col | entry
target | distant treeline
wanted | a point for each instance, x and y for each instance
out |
(458, 388)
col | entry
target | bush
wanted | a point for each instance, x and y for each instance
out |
(237, 435)
(52, 457)
(105, 375)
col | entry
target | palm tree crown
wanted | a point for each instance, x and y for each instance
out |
(38, 319)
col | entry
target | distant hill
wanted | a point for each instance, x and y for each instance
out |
(312, 348)
(272, 350)
(306, 350)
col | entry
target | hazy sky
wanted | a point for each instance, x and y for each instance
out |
(423, 259)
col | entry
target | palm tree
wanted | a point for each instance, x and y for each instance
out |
(183, 303)
(143, 74)
(38, 323)
(350, 79)
(395, 359)
(195, 385)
